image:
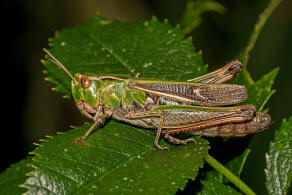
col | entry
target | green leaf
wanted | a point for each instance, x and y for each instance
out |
(117, 158)
(216, 183)
(259, 92)
(279, 160)
(14, 176)
(214, 187)
(192, 16)
(227, 173)
(235, 166)
(107, 47)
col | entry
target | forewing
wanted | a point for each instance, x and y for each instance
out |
(195, 93)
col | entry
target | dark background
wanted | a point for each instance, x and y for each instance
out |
(31, 110)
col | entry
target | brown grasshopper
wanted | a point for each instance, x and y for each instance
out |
(198, 106)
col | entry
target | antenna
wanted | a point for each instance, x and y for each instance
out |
(58, 63)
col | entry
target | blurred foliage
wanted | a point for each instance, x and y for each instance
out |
(192, 18)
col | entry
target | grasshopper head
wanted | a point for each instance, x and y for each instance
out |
(84, 89)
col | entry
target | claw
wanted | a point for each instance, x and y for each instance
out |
(79, 141)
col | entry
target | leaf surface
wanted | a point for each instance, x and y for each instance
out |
(235, 166)
(259, 92)
(211, 186)
(14, 176)
(117, 159)
(279, 160)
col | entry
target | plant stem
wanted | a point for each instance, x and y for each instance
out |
(264, 16)
(228, 174)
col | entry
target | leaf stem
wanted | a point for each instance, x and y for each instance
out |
(228, 174)
(264, 16)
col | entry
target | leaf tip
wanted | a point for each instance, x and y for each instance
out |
(154, 18)
(33, 153)
(66, 96)
(43, 61)
(36, 144)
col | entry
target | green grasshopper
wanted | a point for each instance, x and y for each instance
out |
(197, 106)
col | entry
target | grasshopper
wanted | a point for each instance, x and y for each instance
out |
(200, 106)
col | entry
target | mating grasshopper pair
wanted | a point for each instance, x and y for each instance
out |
(197, 106)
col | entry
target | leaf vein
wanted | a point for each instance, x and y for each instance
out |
(38, 186)
(58, 172)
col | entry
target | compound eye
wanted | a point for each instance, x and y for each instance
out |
(85, 82)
